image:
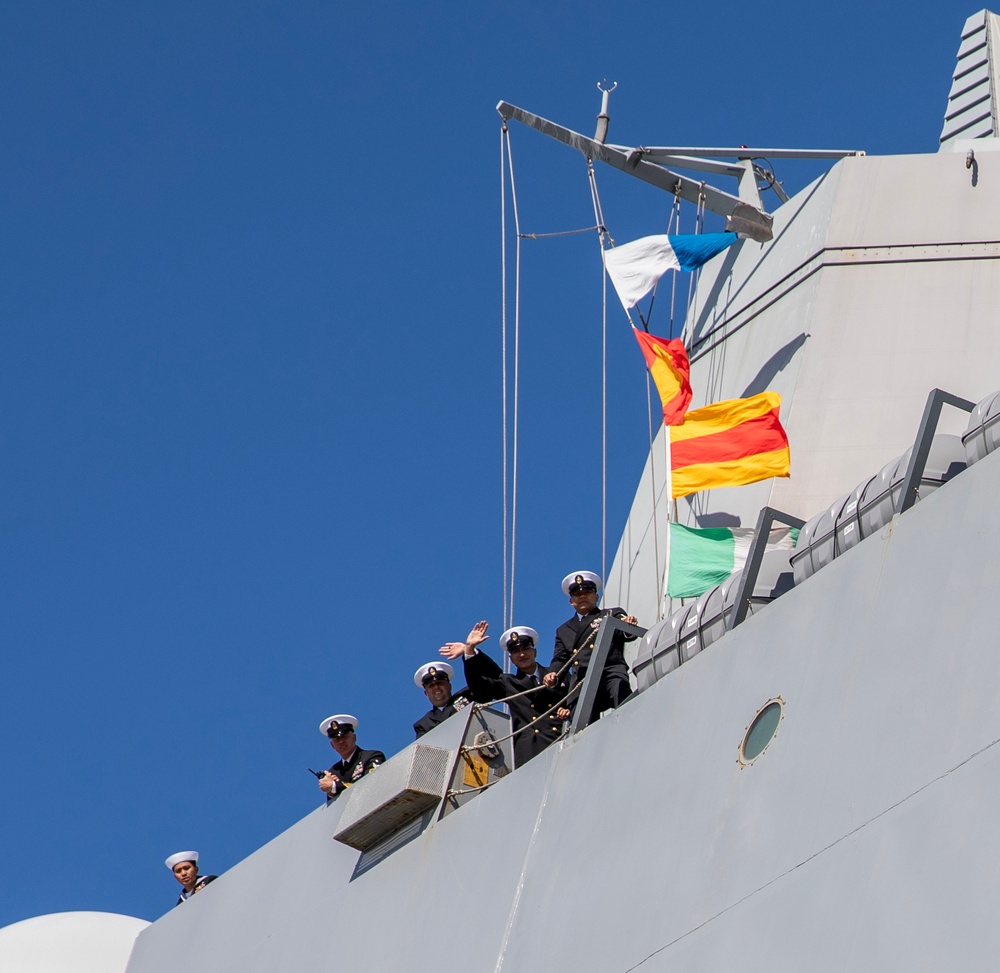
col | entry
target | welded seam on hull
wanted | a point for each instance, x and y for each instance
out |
(805, 861)
(524, 868)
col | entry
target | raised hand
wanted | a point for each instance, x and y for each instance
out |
(452, 650)
(478, 634)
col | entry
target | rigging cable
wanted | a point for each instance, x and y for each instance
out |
(602, 233)
(674, 221)
(503, 354)
(663, 601)
(652, 486)
(517, 349)
(545, 236)
(699, 225)
(673, 224)
(698, 504)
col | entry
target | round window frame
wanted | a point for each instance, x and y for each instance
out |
(741, 757)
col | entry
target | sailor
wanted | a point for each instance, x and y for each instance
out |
(434, 678)
(576, 638)
(537, 717)
(354, 762)
(184, 865)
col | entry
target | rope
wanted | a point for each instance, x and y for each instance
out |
(699, 224)
(542, 236)
(602, 233)
(673, 224)
(652, 486)
(665, 600)
(527, 726)
(468, 790)
(517, 350)
(604, 421)
(698, 499)
(534, 689)
(503, 333)
(675, 218)
(574, 691)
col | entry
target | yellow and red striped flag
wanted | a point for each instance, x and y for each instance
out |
(668, 364)
(729, 444)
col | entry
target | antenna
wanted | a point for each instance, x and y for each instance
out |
(603, 118)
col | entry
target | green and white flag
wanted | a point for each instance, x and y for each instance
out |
(702, 557)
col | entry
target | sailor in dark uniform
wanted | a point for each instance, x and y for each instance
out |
(354, 762)
(184, 866)
(434, 679)
(536, 718)
(576, 638)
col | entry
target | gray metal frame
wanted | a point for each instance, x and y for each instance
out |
(765, 520)
(745, 152)
(598, 659)
(922, 444)
(754, 222)
(497, 724)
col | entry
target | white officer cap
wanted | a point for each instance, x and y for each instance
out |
(341, 721)
(580, 578)
(519, 633)
(432, 670)
(181, 856)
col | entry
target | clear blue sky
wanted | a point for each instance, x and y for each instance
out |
(250, 369)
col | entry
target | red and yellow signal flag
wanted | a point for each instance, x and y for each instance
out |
(668, 364)
(728, 444)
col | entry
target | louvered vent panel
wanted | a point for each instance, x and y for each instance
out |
(971, 102)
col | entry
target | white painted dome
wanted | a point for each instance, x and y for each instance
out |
(69, 942)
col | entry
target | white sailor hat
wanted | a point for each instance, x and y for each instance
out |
(580, 580)
(431, 671)
(342, 721)
(181, 856)
(518, 634)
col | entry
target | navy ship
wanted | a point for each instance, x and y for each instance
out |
(804, 777)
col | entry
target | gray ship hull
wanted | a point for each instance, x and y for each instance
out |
(862, 838)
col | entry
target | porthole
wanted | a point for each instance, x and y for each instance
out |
(761, 730)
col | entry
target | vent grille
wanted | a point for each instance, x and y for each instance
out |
(399, 791)
(971, 110)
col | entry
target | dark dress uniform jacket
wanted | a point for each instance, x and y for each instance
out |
(203, 880)
(575, 640)
(362, 762)
(429, 720)
(572, 639)
(488, 681)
